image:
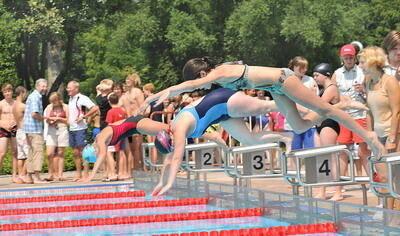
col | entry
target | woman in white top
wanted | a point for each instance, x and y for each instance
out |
(57, 135)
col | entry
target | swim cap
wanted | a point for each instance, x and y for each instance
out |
(324, 68)
(163, 142)
(89, 153)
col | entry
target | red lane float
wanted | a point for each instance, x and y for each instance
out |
(269, 231)
(111, 206)
(73, 197)
(135, 219)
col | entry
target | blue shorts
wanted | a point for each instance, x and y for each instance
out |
(95, 132)
(77, 138)
(303, 140)
(383, 139)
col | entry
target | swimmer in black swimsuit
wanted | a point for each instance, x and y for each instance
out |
(116, 132)
(203, 72)
(329, 129)
(329, 93)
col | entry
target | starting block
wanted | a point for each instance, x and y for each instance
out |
(204, 157)
(253, 164)
(392, 162)
(317, 167)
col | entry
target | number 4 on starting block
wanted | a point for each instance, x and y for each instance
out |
(318, 169)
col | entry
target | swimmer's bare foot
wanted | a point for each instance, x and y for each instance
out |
(337, 197)
(375, 145)
(77, 179)
(320, 196)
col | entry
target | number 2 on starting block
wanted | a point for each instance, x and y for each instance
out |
(253, 163)
(204, 158)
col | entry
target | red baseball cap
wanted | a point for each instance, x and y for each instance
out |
(347, 49)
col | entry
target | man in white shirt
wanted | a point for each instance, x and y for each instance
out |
(77, 124)
(348, 78)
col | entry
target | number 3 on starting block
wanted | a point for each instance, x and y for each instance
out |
(319, 169)
(204, 158)
(253, 163)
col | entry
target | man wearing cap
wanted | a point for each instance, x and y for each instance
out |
(349, 79)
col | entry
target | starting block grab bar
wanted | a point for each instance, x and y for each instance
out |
(204, 157)
(146, 147)
(253, 164)
(392, 185)
(317, 167)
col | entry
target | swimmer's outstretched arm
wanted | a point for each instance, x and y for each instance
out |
(220, 72)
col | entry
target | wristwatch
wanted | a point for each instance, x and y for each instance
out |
(390, 140)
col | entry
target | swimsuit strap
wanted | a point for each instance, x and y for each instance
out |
(330, 85)
(244, 74)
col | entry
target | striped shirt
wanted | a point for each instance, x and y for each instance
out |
(33, 104)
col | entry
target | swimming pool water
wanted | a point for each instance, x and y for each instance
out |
(122, 229)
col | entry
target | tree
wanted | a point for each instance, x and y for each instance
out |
(9, 47)
(252, 32)
(320, 28)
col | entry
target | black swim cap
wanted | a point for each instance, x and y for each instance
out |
(324, 68)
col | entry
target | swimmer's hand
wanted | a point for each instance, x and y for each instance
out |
(143, 107)
(165, 95)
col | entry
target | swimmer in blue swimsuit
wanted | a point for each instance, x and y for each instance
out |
(287, 90)
(226, 107)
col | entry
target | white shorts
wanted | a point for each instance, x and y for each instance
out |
(22, 145)
(58, 137)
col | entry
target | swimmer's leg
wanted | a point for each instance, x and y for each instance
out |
(238, 129)
(164, 175)
(242, 105)
(150, 127)
(297, 92)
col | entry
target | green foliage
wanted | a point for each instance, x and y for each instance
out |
(384, 17)
(187, 37)
(9, 47)
(249, 34)
(321, 27)
(43, 20)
